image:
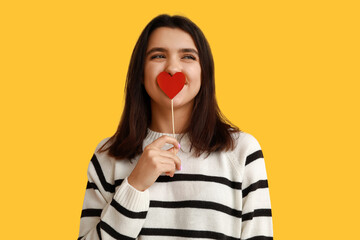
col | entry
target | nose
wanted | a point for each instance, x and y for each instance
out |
(173, 66)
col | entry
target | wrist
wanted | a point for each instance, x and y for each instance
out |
(132, 182)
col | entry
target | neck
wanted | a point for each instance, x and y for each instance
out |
(161, 120)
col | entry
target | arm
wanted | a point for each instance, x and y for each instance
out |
(256, 208)
(110, 214)
(120, 214)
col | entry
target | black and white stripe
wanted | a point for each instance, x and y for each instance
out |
(197, 204)
(254, 156)
(217, 203)
(257, 213)
(185, 233)
(91, 212)
(255, 186)
(177, 177)
(200, 177)
(126, 212)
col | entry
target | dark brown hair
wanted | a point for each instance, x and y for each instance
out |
(209, 131)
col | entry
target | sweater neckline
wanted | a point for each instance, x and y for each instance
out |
(154, 135)
(182, 138)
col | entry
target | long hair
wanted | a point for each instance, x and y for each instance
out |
(208, 131)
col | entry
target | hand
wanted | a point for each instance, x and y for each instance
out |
(154, 161)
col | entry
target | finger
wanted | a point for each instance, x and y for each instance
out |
(173, 150)
(172, 157)
(169, 174)
(168, 153)
(161, 141)
(168, 169)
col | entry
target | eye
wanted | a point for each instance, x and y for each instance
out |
(190, 57)
(157, 56)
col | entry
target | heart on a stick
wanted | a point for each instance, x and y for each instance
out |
(171, 85)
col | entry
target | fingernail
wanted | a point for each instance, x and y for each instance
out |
(179, 146)
(180, 167)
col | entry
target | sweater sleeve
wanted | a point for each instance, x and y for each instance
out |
(256, 208)
(108, 213)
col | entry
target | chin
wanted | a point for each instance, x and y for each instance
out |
(178, 103)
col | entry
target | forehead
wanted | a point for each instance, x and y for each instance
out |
(170, 38)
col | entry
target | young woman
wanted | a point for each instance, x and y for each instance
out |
(209, 181)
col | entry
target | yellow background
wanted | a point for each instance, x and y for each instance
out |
(286, 71)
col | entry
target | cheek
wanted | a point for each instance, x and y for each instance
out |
(194, 77)
(150, 85)
(149, 75)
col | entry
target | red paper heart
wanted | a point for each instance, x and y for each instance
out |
(171, 85)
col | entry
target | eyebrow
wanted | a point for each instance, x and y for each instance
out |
(159, 49)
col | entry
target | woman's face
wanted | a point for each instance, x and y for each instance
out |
(172, 50)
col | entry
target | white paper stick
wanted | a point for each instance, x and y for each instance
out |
(172, 117)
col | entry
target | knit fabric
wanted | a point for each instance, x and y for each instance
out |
(223, 196)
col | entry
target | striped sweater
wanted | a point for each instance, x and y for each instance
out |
(222, 196)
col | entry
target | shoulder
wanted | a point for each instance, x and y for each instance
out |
(245, 141)
(101, 161)
(246, 146)
(101, 143)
